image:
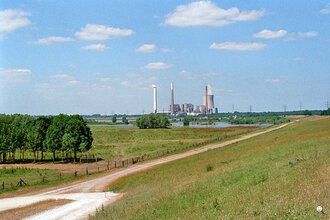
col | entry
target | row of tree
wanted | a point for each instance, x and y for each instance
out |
(153, 121)
(61, 133)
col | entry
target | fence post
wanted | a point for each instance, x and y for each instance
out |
(108, 165)
(43, 179)
(60, 175)
(75, 173)
(3, 185)
(86, 170)
(98, 169)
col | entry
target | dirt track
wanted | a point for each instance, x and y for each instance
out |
(88, 195)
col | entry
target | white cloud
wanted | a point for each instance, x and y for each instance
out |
(11, 20)
(158, 66)
(53, 39)
(146, 48)
(326, 10)
(124, 83)
(61, 76)
(131, 75)
(238, 46)
(268, 34)
(307, 34)
(294, 36)
(209, 14)
(73, 82)
(106, 79)
(15, 75)
(101, 32)
(187, 74)
(299, 59)
(149, 48)
(272, 80)
(97, 47)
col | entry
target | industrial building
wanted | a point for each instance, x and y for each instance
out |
(208, 106)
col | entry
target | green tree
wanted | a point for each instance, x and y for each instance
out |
(152, 121)
(55, 134)
(114, 118)
(78, 134)
(124, 120)
(186, 122)
(307, 112)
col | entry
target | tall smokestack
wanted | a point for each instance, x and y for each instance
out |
(155, 98)
(172, 99)
(206, 102)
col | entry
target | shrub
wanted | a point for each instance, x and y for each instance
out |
(209, 167)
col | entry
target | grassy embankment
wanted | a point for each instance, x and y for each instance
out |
(280, 175)
(115, 142)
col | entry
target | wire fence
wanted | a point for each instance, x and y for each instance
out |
(91, 168)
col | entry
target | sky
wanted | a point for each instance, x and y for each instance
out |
(102, 57)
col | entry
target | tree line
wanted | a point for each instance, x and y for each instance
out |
(152, 121)
(65, 134)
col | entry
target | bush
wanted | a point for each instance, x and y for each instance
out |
(209, 167)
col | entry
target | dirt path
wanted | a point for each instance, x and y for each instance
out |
(88, 195)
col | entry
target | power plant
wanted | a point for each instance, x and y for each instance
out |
(207, 107)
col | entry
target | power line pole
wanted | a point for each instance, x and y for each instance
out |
(250, 108)
(233, 108)
(284, 107)
(300, 106)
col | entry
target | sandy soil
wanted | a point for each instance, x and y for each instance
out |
(19, 213)
(88, 195)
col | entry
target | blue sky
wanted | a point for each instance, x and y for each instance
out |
(103, 56)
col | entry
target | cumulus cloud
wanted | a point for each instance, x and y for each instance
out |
(146, 48)
(294, 36)
(101, 32)
(268, 34)
(97, 47)
(238, 46)
(272, 80)
(209, 14)
(158, 66)
(149, 48)
(11, 20)
(53, 39)
(15, 75)
(326, 10)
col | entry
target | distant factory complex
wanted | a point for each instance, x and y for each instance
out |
(187, 108)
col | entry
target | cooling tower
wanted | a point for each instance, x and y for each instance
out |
(209, 102)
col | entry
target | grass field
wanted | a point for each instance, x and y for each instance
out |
(122, 142)
(280, 175)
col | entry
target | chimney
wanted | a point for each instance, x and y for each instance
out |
(155, 98)
(172, 99)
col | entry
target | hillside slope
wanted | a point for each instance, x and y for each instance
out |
(279, 175)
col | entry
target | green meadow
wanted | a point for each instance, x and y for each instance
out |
(283, 174)
(123, 142)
